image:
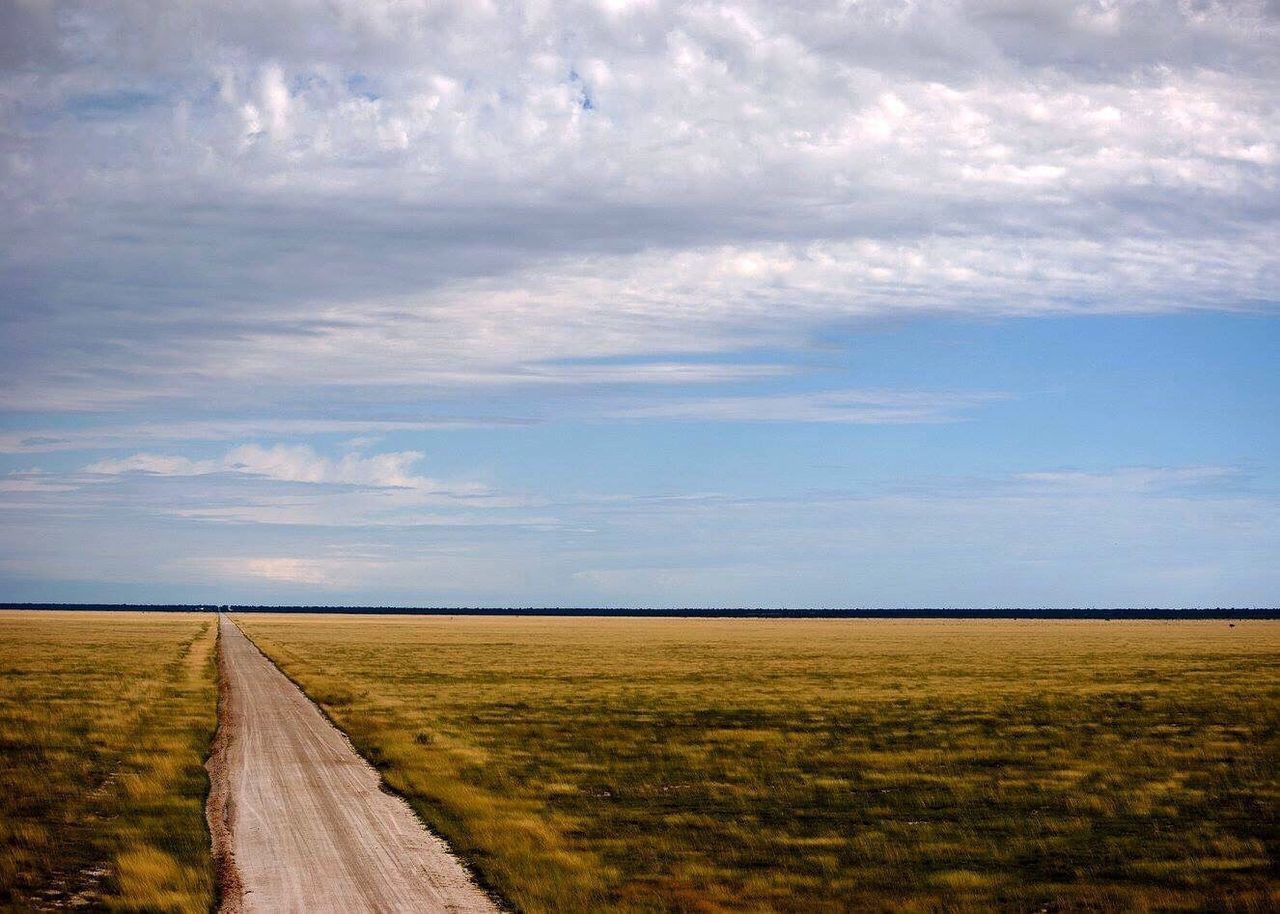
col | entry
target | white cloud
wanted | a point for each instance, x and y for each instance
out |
(288, 463)
(857, 407)
(299, 463)
(32, 481)
(327, 572)
(345, 569)
(153, 464)
(47, 440)
(1131, 480)
(532, 212)
(1175, 535)
(293, 485)
(404, 196)
(533, 328)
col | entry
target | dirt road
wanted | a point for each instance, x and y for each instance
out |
(299, 821)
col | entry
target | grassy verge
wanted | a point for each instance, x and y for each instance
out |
(822, 766)
(105, 721)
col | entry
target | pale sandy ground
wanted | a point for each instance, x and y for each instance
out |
(298, 817)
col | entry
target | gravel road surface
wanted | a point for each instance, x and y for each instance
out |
(299, 820)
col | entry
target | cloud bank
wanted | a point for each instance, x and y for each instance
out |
(268, 196)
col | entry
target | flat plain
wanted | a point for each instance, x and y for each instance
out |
(105, 722)
(820, 766)
(306, 824)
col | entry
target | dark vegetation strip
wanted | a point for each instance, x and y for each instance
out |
(1125, 613)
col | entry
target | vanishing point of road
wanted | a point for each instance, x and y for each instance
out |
(300, 821)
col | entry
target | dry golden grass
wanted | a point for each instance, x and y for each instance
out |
(105, 721)
(822, 766)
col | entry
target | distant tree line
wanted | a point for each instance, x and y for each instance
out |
(1083, 612)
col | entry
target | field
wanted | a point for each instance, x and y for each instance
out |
(105, 721)
(822, 766)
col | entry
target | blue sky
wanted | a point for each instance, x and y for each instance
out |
(945, 304)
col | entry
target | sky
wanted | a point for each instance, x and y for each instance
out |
(626, 303)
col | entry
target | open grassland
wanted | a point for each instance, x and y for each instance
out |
(822, 766)
(105, 721)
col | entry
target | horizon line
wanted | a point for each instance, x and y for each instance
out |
(1062, 613)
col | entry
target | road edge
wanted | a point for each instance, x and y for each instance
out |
(219, 811)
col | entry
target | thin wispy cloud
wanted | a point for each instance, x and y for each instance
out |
(1141, 531)
(858, 407)
(115, 436)
(285, 463)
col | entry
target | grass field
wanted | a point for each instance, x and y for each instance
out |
(105, 721)
(821, 766)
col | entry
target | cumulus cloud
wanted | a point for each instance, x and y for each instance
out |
(407, 194)
(301, 464)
